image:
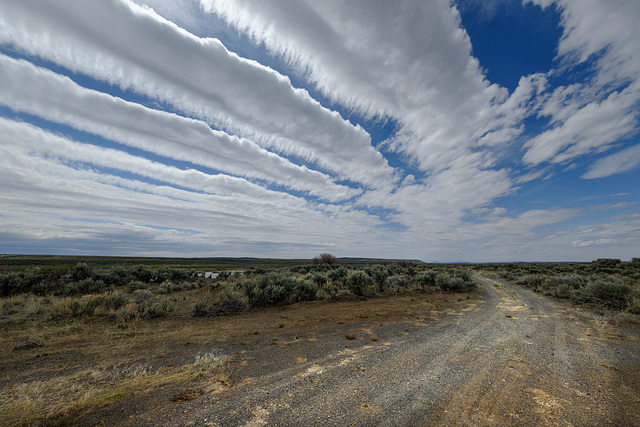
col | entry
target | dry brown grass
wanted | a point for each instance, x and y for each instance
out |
(41, 402)
(80, 366)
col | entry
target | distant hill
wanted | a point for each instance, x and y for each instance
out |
(381, 260)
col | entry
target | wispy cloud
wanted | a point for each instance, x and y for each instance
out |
(140, 128)
(131, 46)
(57, 98)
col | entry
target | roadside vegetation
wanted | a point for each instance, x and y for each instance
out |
(604, 284)
(128, 294)
(77, 338)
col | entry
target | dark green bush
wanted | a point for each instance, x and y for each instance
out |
(397, 283)
(200, 308)
(278, 288)
(159, 308)
(379, 274)
(83, 287)
(229, 302)
(338, 273)
(610, 295)
(305, 290)
(110, 277)
(13, 283)
(115, 300)
(79, 272)
(319, 279)
(134, 285)
(142, 274)
(359, 283)
(426, 281)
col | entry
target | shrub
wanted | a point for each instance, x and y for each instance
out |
(76, 307)
(159, 308)
(611, 295)
(86, 286)
(200, 308)
(319, 279)
(444, 281)
(107, 276)
(305, 290)
(269, 289)
(142, 274)
(229, 302)
(563, 290)
(114, 300)
(426, 281)
(79, 272)
(278, 288)
(141, 295)
(379, 274)
(125, 314)
(337, 273)
(330, 289)
(359, 283)
(325, 259)
(397, 283)
(12, 283)
(134, 285)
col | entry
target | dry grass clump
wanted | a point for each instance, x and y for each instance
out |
(45, 402)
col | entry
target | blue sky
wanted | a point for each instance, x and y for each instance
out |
(445, 131)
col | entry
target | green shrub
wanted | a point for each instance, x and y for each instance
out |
(229, 302)
(563, 290)
(79, 272)
(76, 307)
(305, 290)
(125, 315)
(338, 273)
(141, 295)
(379, 274)
(142, 274)
(107, 276)
(278, 288)
(13, 283)
(115, 300)
(134, 285)
(426, 281)
(319, 279)
(200, 308)
(611, 295)
(159, 308)
(86, 286)
(330, 289)
(269, 289)
(359, 283)
(397, 283)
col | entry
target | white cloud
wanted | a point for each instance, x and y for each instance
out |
(410, 61)
(588, 117)
(56, 98)
(593, 126)
(48, 145)
(619, 162)
(48, 176)
(128, 45)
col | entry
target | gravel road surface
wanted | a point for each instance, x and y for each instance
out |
(512, 357)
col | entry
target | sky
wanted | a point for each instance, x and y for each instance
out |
(438, 130)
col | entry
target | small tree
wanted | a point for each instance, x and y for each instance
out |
(325, 259)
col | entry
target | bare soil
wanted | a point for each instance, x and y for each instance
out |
(501, 356)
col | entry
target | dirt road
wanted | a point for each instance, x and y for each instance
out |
(511, 357)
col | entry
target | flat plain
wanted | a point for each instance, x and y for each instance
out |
(500, 355)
